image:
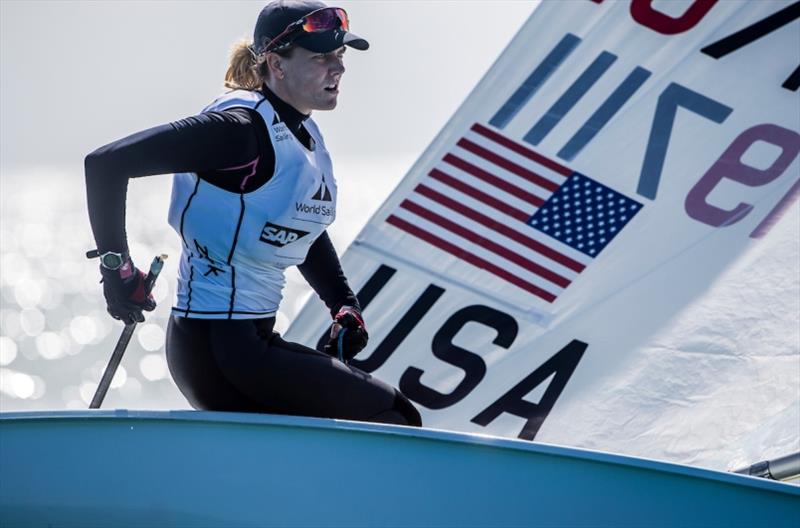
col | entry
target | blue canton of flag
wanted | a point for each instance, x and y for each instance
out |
(584, 214)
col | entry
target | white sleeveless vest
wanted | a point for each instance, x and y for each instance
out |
(237, 246)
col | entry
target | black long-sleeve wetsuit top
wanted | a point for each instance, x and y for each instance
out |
(207, 144)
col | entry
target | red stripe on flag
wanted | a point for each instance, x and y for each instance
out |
(510, 166)
(469, 257)
(481, 196)
(500, 228)
(484, 242)
(493, 180)
(520, 149)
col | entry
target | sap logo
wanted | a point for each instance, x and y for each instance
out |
(280, 236)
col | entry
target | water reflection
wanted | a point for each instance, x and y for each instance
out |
(19, 385)
(87, 390)
(9, 323)
(150, 336)
(53, 324)
(120, 377)
(36, 240)
(31, 321)
(153, 367)
(8, 351)
(51, 346)
(132, 389)
(83, 329)
(14, 266)
(28, 293)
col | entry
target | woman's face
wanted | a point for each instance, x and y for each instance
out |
(311, 80)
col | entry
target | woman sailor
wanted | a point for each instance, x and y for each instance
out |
(253, 194)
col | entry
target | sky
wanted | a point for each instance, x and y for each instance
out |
(77, 75)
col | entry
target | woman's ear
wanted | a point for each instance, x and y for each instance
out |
(274, 65)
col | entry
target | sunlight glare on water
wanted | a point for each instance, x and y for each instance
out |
(9, 319)
(87, 390)
(14, 268)
(71, 396)
(53, 320)
(19, 385)
(151, 336)
(39, 387)
(83, 329)
(28, 293)
(8, 351)
(52, 296)
(132, 389)
(153, 367)
(32, 322)
(104, 325)
(71, 347)
(22, 385)
(50, 345)
(161, 291)
(65, 269)
(37, 240)
(120, 377)
(74, 405)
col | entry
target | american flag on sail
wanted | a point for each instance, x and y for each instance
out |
(500, 206)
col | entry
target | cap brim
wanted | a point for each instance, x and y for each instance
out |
(327, 41)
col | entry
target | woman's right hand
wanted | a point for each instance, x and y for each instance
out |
(126, 293)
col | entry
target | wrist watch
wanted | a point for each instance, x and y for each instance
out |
(112, 261)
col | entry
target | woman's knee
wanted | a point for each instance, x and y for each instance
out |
(404, 406)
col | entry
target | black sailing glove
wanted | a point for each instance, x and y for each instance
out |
(354, 338)
(126, 293)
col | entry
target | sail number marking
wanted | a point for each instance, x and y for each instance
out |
(729, 166)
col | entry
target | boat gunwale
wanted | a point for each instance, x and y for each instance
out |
(478, 439)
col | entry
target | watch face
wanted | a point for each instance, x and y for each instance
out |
(111, 260)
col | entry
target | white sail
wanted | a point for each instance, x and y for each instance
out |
(624, 170)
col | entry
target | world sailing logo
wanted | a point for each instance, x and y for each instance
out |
(501, 207)
(323, 194)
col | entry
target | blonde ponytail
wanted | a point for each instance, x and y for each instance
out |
(243, 70)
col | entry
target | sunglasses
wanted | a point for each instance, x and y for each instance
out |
(324, 19)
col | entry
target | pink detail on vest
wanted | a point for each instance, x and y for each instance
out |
(252, 165)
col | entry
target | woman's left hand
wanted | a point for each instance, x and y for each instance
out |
(355, 337)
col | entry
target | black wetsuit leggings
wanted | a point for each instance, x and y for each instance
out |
(243, 366)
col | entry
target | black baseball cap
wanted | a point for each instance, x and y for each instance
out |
(278, 14)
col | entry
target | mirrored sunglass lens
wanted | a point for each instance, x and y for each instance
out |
(326, 19)
(343, 21)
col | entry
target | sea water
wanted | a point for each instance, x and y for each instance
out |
(55, 335)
